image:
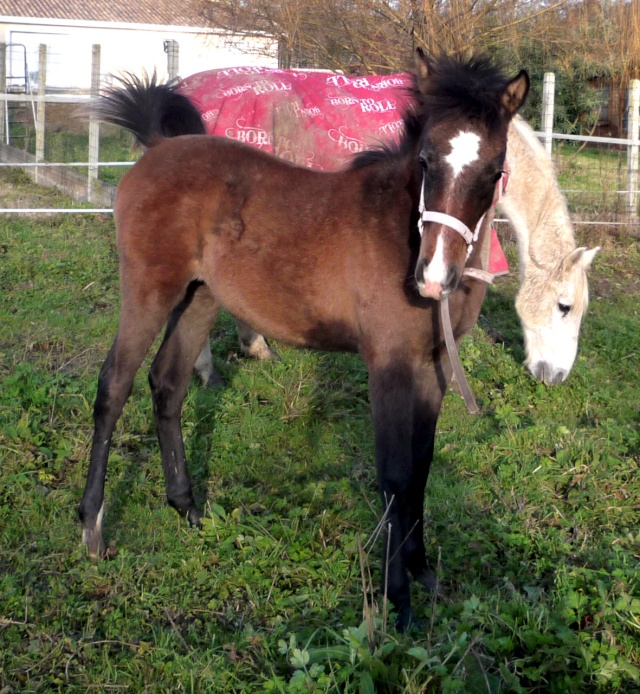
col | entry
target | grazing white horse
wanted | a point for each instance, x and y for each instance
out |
(553, 294)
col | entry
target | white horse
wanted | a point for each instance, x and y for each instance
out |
(553, 294)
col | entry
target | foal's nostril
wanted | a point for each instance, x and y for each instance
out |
(558, 377)
(421, 266)
(538, 370)
(452, 279)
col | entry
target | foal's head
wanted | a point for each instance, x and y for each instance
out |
(466, 107)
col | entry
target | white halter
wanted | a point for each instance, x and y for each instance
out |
(476, 273)
(454, 223)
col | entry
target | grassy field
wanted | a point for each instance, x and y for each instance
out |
(592, 178)
(532, 507)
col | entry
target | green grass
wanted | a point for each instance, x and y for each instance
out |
(532, 508)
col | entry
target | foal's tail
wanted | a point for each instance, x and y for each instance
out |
(149, 110)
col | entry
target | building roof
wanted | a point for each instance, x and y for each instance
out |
(163, 12)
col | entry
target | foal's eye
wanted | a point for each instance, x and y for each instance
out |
(564, 309)
(423, 161)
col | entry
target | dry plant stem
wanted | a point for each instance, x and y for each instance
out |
(434, 597)
(367, 592)
(385, 605)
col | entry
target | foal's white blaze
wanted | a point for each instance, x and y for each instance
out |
(464, 151)
(465, 147)
(435, 272)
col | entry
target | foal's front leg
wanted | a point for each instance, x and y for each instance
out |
(429, 390)
(391, 392)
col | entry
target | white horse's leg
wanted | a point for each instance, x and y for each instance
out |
(205, 369)
(252, 344)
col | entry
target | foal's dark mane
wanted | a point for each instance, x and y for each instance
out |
(454, 90)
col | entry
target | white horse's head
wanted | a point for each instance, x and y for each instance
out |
(551, 303)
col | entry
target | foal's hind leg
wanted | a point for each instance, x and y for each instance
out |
(188, 327)
(138, 327)
(204, 367)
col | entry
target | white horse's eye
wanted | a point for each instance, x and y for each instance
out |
(564, 309)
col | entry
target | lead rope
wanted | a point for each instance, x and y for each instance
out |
(475, 273)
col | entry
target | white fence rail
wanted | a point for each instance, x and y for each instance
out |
(599, 175)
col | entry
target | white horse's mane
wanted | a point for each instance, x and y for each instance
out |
(534, 204)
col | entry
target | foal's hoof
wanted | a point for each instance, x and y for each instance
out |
(208, 376)
(428, 580)
(406, 621)
(258, 349)
(92, 540)
(213, 381)
(195, 518)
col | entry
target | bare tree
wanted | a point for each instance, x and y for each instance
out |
(379, 35)
(372, 35)
(580, 40)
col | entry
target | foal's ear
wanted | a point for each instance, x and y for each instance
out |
(423, 67)
(515, 93)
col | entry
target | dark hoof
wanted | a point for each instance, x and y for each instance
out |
(428, 580)
(214, 381)
(406, 621)
(194, 517)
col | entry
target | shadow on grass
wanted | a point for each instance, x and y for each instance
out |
(500, 320)
(337, 391)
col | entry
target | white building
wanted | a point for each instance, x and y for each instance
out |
(132, 35)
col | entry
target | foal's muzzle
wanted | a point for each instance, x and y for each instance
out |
(431, 289)
(438, 271)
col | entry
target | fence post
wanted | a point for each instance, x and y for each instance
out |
(172, 49)
(548, 99)
(632, 150)
(42, 88)
(94, 125)
(4, 120)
